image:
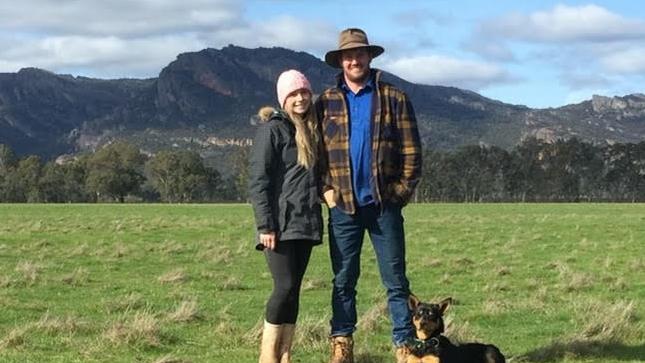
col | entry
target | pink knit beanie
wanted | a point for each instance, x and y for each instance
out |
(290, 81)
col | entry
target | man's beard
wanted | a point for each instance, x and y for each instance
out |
(361, 78)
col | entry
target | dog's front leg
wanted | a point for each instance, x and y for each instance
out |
(430, 359)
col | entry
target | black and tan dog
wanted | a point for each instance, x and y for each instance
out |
(432, 347)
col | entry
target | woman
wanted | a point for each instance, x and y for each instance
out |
(283, 187)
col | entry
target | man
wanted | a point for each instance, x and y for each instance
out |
(371, 165)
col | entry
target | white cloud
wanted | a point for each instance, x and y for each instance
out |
(579, 80)
(628, 61)
(122, 18)
(565, 24)
(589, 45)
(447, 71)
(416, 18)
(490, 50)
(122, 38)
(107, 57)
(116, 38)
(293, 33)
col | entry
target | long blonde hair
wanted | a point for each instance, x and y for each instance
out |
(307, 138)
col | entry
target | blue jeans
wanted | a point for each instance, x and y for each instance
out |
(346, 234)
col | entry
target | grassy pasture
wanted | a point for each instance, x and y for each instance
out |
(182, 283)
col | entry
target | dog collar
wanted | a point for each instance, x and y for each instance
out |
(420, 348)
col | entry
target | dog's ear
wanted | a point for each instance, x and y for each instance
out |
(413, 301)
(444, 304)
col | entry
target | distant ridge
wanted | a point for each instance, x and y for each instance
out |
(213, 93)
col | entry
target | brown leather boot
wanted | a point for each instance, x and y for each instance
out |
(402, 353)
(270, 343)
(342, 350)
(286, 340)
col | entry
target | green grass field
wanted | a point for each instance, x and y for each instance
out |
(182, 283)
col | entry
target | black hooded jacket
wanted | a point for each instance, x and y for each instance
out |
(284, 194)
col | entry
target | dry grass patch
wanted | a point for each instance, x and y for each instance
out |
(170, 359)
(252, 335)
(429, 261)
(242, 249)
(132, 301)
(226, 329)
(445, 279)
(497, 286)
(373, 354)
(29, 271)
(141, 329)
(602, 327)
(231, 283)
(610, 321)
(15, 338)
(637, 264)
(173, 277)
(37, 245)
(503, 271)
(5, 281)
(577, 281)
(56, 325)
(615, 283)
(216, 255)
(80, 250)
(495, 307)
(78, 277)
(459, 332)
(172, 247)
(570, 281)
(315, 284)
(224, 314)
(312, 333)
(187, 311)
(120, 250)
(373, 317)
(463, 262)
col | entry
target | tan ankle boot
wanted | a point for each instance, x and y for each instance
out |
(342, 350)
(270, 342)
(286, 340)
(402, 354)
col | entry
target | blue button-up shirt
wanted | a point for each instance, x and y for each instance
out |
(360, 141)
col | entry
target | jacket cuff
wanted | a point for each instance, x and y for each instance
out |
(399, 192)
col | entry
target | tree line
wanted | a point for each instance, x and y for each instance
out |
(536, 171)
(533, 171)
(118, 172)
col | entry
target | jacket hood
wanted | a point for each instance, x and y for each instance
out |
(267, 113)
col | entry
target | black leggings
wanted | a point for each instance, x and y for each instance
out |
(287, 264)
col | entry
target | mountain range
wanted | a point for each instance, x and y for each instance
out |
(206, 101)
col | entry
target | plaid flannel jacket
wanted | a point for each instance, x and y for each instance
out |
(396, 146)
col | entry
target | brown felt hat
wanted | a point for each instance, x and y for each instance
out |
(350, 39)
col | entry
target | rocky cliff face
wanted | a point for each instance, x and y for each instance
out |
(600, 120)
(212, 94)
(41, 112)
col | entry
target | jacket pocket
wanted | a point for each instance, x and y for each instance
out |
(285, 212)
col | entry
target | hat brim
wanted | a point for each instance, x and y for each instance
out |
(332, 58)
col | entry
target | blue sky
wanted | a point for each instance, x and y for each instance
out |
(536, 53)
